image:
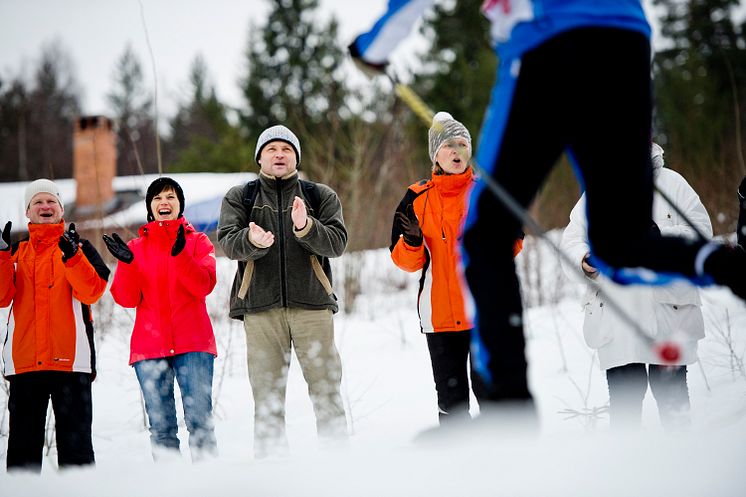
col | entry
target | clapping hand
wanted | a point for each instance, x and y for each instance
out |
(299, 214)
(259, 237)
(69, 243)
(180, 242)
(410, 227)
(5, 239)
(118, 248)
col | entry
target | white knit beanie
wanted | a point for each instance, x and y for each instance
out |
(278, 132)
(41, 186)
(656, 153)
(445, 128)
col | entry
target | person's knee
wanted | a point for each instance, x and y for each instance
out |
(627, 382)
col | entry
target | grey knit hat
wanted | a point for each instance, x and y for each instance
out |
(42, 186)
(445, 128)
(278, 132)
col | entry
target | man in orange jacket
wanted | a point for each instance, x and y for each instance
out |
(50, 279)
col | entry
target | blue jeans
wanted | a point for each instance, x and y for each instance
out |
(193, 371)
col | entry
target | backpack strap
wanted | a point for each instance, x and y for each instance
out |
(249, 192)
(311, 192)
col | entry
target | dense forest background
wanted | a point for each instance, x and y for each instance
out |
(363, 142)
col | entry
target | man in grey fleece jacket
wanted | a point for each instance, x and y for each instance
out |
(283, 288)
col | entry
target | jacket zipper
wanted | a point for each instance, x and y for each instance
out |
(454, 321)
(281, 229)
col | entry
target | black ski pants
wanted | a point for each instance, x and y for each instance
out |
(73, 413)
(627, 387)
(586, 92)
(449, 355)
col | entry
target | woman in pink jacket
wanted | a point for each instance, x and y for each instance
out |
(166, 274)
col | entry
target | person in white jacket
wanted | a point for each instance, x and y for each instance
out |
(666, 313)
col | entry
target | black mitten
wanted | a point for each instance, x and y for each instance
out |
(410, 227)
(5, 239)
(69, 242)
(118, 248)
(180, 242)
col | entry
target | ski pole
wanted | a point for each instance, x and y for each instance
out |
(669, 352)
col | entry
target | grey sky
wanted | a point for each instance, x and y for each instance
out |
(95, 33)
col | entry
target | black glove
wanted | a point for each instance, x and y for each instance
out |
(5, 239)
(69, 242)
(410, 227)
(118, 248)
(655, 231)
(180, 242)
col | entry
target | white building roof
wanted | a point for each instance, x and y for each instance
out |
(202, 192)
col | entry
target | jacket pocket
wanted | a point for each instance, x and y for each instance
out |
(595, 333)
(321, 275)
(679, 320)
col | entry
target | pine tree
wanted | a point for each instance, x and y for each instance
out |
(700, 76)
(457, 76)
(459, 67)
(131, 105)
(202, 138)
(53, 106)
(700, 81)
(14, 97)
(293, 71)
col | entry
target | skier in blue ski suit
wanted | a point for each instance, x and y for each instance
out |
(574, 77)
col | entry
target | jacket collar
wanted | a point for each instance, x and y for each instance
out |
(273, 178)
(165, 227)
(453, 184)
(46, 233)
(273, 182)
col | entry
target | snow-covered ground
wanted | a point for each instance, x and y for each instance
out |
(390, 398)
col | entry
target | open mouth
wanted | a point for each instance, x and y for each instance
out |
(164, 212)
(46, 214)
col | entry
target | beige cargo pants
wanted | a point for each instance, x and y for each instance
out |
(269, 338)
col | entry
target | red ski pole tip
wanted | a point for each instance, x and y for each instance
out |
(669, 352)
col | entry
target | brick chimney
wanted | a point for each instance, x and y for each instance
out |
(94, 165)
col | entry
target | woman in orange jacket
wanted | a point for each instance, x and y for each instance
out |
(426, 236)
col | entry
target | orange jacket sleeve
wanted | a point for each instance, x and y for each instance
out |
(408, 258)
(88, 282)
